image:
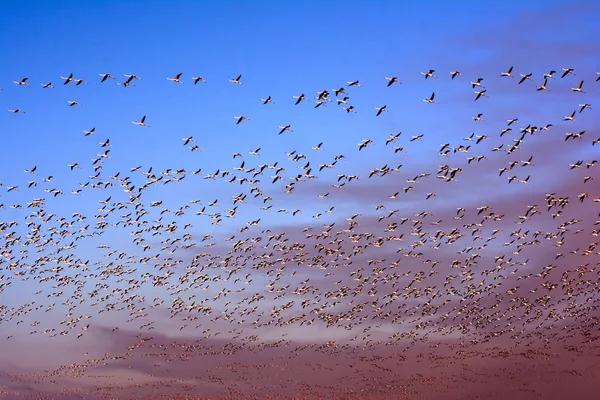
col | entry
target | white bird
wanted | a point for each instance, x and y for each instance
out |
(198, 79)
(176, 78)
(22, 82)
(578, 88)
(430, 99)
(142, 122)
(237, 80)
(105, 77)
(241, 118)
(507, 73)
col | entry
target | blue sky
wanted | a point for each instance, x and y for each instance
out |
(284, 49)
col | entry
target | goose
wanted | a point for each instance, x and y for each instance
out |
(380, 110)
(22, 82)
(237, 80)
(241, 118)
(578, 88)
(454, 74)
(392, 80)
(567, 71)
(430, 99)
(507, 73)
(142, 122)
(105, 77)
(197, 79)
(176, 78)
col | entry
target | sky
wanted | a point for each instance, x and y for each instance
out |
(274, 298)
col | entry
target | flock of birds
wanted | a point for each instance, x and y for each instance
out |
(452, 276)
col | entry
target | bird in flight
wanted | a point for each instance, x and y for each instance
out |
(237, 80)
(142, 122)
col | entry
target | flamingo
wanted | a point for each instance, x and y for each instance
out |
(142, 122)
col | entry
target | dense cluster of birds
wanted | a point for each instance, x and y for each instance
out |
(377, 284)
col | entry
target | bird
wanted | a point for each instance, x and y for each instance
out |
(567, 71)
(477, 83)
(428, 74)
(430, 99)
(176, 78)
(392, 80)
(198, 79)
(285, 128)
(16, 111)
(507, 73)
(267, 100)
(105, 77)
(578, 88)
(542, 86)
(584, 106)
(525, 77)
(480, 93)
(67, 79)
(380, 110)
(300, 98)
(570, 117)
(237, 80)
(73, 103)
(354, 83)
(22, 82)
(47, 85)
(241, 118)
(142, 122)
(454, 74)
(187, 140)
